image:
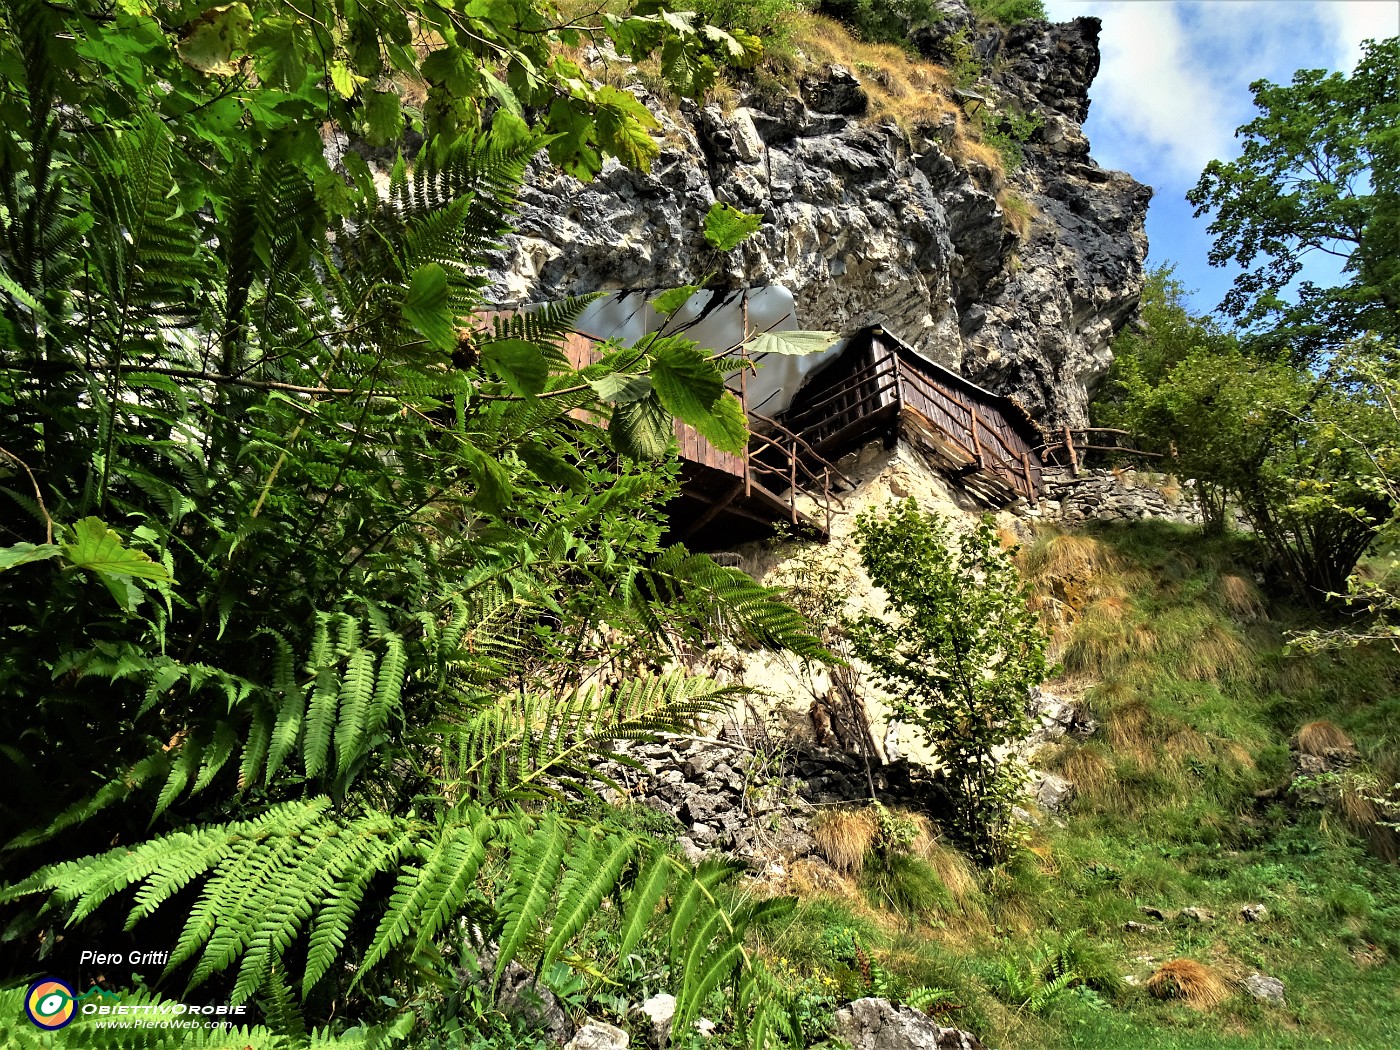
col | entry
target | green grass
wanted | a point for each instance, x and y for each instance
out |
(1179, 805)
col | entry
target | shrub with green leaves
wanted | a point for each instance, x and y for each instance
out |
(957, 651)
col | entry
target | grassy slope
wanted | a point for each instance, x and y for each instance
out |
(1181, 659)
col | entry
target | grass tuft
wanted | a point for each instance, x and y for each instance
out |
(1319, 737)
(1189, 982)
(844, 837)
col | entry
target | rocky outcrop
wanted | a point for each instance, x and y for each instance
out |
(754, 804)
(867, 223)
(878, 1024)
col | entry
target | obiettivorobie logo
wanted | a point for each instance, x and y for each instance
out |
(52, 1004)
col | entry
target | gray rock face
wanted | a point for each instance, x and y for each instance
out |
(878, 1024)
(1265, 988)
(865, 224)
(1051, 793)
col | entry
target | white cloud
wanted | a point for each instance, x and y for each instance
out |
(1153, 88)
(1353, 21)
(1174, 79)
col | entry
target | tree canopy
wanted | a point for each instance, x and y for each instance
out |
(1318, 175)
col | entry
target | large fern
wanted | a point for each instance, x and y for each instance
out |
(302, 873)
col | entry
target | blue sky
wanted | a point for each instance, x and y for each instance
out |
(1174, 85)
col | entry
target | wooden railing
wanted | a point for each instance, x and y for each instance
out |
(1062, 448)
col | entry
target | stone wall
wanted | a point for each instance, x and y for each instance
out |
(1104, 494)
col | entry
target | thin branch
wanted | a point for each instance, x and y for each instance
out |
(38, 495)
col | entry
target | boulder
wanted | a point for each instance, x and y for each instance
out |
(1052, 793)
(598, 1035)
(1254, 913)
(878, 1024)
(835, 89)
(659, 1011)
(1265, 988)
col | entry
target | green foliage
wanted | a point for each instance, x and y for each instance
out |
(1319, 172)
(770, 20)
(1166, 334)
(882, 21)
(1291, 451)
(384, 600)
(1006, 132)
(958, 651)
(1009, 12)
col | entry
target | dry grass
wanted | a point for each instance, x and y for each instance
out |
(955, 871)
(913, 93)
(1019, 213)
(1068, 573)
(1320, 737)
(844, 837)
(1088, 768)
(1240, 597)
(1217, 653)
(1189, 982)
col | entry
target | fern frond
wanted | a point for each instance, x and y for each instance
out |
(533, 876)
(590, 874)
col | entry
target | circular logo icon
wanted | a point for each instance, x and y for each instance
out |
(49, 1003)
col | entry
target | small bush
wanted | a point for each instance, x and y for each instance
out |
(1092, 966)
(882, 21)
(769, 19)
(1189, 982)
(1009, 12)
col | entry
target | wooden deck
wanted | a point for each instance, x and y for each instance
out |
(881, 387)
(728, 498)
(878, 388)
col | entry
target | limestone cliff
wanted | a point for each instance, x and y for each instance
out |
(866, 221)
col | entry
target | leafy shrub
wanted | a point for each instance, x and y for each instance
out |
(882, 21)
(957, 651)
(770, 20)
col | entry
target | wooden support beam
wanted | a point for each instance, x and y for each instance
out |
(1073, 458)
(714, 510)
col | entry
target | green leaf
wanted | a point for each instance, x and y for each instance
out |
(792, 343)
(671, 300)
(521, 365)
(425, 306)
(98, 549)
(624, 127)
(725, 426)
(726, 228)
(642, 429)
(686, 380)
(383, 118)
(621, 389)
(215, 37)
(24, 553)
(341, 78)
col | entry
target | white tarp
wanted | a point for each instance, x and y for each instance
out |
(716, 322)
